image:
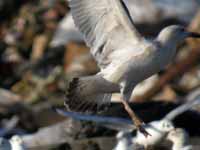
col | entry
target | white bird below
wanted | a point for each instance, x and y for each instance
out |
(157, 130)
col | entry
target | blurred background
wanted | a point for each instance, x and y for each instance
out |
(41, 51)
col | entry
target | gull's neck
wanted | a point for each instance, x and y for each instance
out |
(167, 40)
(167, 49)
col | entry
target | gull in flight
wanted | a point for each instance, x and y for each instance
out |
(125, 57)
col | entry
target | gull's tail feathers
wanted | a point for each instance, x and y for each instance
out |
(89, 94)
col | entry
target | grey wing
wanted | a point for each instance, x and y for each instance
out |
(100, 21)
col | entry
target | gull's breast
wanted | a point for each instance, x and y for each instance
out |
(127, 66)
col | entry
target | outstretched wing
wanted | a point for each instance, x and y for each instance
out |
(104, 22)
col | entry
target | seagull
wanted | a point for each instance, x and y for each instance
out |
(158, 131)
(124, 56)
(160, 128)
(180, 138)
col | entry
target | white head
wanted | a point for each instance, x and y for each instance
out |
(166, 125)
(174, 35)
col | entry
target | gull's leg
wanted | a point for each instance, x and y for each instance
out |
(136, 120)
